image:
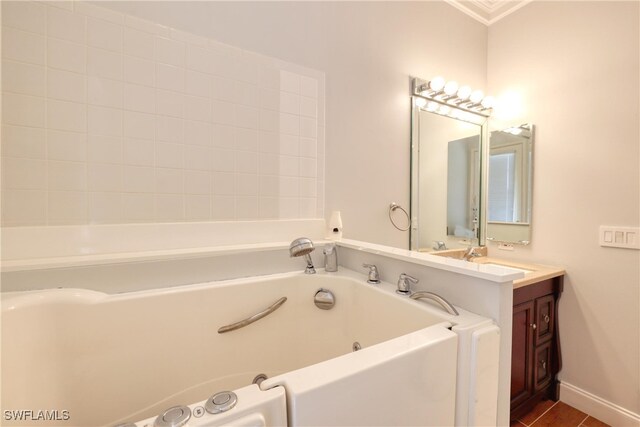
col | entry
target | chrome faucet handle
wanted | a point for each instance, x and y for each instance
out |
(374, 276)
(404, 284)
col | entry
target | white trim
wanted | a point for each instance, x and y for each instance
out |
(475, 9)
(461, 7)
(597, 407)
(517, 5)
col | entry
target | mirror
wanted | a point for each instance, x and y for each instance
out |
(462, 195)
(509, 186)
(446, 172)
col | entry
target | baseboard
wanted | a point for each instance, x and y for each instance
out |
(597, 407)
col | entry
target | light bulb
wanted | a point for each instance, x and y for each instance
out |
(451, 88)
(436, 84)
(444, 110)
(476, 96)
(432, 106)
(464, 92)
(421, 102)
(488, 102)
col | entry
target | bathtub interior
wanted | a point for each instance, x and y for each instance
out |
(110, 358)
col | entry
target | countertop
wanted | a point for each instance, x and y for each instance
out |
(537, 272)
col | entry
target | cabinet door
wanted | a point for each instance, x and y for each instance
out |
(542, 366)
(522, 353)
(545, 307)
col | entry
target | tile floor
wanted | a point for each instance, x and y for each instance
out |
(557, 414)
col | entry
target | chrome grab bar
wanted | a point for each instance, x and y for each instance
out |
(249, 320)
(437, 298)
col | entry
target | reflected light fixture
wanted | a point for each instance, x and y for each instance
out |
(444, 97)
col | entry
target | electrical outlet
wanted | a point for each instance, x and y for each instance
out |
(620, 237)
(505, 247)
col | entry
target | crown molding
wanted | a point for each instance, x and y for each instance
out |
(488, 11)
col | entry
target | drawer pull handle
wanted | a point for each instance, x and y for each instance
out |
(533, 326)
(544, 364)
(546, 318)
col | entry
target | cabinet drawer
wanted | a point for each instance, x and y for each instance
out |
(542, 366)
(544, 319)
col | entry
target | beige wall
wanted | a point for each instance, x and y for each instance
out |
(574, 67)
(368, 50)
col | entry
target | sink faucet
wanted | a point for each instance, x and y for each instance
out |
(471, 253)
(404, 284)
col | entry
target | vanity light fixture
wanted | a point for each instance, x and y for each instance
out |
(448, 94)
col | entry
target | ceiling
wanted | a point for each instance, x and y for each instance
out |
(488, 11)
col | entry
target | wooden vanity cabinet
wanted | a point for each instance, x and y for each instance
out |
(535, 349)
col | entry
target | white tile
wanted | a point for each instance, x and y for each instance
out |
(139, 71)
(270, 99)
(289, 103)
(18, 141)
(67, 207)
(24, 174)
(308, 147)
(105, 121)
(139, 98)
(268, 185)
(104, 35)
(289, 124)
(197, 207)
(308, 167)
(104, 177)
(308, 187)
(138, 43)
(249, 95)
(66, 56)
(98, 12)
(197, 108)
(224, 183)
(170, 129)
(268, 142)
(222, 65)
(23, 78)
(308, 107)
(289, 166)
(66, 86)
(146, 26)
(268, 208)
(289, 145)
(105, 208)
(70, 146)
(65, 25)
(197, 133)
(269, 77)
(138, 207)
(171, 52)
(289, 208)
(269, 120)
(169, 207)
(289, 82)
(223, 113)
(223, 208)
(23, 46)
(309, 87)
(67, 175)
(169, 103)
(24, 15)
(246, 139)
(62, 115)
(224, 89)
(138, 179)
(247, 117)
(139, 125)
(223, 160)
(24, 207)
(105, 149)
(197, 182)
(139, 152)
(189, 38)
(246, 184)
(245, 70)
(105, 92)
(268, 164)
(308, 208)
(199, 59)
(103, 63)
(170, 77)
(23, 110)
(197, 157)
(169, 155)
(308, 127)
(224, 136)
(247, 207)
(198, 84)
(246, 162)
(62, 4)
(169, 181)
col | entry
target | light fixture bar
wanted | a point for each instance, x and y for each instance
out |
(452, 96)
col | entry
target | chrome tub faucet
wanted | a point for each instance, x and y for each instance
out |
(404, 284)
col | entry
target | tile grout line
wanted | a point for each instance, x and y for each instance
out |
(541, 415)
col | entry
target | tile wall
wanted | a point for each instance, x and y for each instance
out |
(107, 118)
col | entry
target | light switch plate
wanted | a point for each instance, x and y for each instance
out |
(620, 237)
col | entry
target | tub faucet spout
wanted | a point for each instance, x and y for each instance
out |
(471, 253)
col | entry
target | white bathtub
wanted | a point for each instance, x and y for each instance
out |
(107, 359)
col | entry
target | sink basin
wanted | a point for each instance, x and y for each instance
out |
(509, 268)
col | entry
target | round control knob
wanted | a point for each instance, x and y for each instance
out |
(173, 417)
(221, 402)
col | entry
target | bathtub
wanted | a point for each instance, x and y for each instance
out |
(88, 358)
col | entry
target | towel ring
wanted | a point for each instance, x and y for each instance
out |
(392, 207)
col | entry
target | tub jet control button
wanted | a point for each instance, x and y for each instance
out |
(173, 417)
(221, 402)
